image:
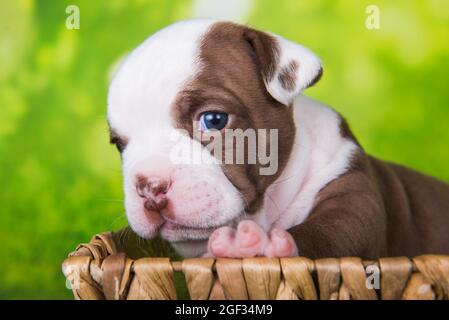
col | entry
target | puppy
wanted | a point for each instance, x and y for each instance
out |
(191, 83)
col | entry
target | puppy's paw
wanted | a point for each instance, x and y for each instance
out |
(221, 243)
(281, 244)
(250, 240)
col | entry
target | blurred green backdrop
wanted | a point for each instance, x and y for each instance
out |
(61, 180)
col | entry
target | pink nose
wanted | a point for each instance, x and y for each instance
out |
(154, 190)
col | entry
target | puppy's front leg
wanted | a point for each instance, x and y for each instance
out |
(250, 240)
(348, 220)
(344, 224)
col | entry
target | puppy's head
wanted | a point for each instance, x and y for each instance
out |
(184, 87)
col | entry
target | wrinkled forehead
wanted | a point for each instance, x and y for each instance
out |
(150, 78)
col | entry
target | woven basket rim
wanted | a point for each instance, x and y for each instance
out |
(103, 259)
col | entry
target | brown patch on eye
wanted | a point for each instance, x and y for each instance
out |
(287, 75)
(235, 63)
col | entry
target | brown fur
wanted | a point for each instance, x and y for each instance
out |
(235, 63)
(377, 209)
(287, 76)
(346, 132)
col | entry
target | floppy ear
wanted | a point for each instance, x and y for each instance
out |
(286, 67)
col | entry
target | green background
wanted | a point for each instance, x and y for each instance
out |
(61, 180)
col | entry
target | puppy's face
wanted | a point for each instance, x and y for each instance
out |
(187, 86)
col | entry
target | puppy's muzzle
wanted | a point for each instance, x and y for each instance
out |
(154, 191)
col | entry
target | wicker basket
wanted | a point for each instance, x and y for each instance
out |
(102, 270)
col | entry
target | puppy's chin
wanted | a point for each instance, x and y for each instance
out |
(151, 224)
(173, 232)
(146, 224)
(176, 233)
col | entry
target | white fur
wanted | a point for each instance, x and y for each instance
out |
(140, 99)
(320, 154)
(143, 90)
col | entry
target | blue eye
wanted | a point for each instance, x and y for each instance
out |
(213, 121)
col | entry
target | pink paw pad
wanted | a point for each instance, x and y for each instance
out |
(281, 244)
(250, 240)
(221, 242)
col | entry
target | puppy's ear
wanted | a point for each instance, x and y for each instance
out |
(286, 67)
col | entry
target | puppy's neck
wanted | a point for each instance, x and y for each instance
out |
(320, 154)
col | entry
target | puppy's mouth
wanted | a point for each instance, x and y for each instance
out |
(176, 232)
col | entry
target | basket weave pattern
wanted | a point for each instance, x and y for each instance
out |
(98, 271)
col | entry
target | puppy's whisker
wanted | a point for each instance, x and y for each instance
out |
(125, 235)
(121, 216)
(113, 200)
(140, 242)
